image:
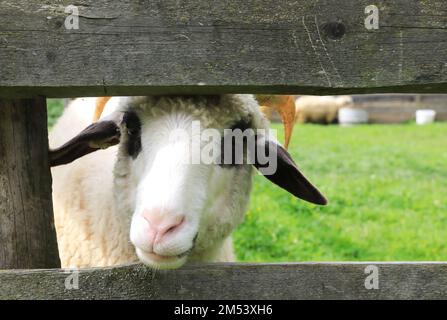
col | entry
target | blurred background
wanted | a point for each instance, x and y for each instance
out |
(381, 160)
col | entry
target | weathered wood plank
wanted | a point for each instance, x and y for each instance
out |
(232, 281)
(190, 46)
(27, 233)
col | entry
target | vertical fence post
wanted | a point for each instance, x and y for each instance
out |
(27, 232)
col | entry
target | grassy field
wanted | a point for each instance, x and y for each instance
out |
(387, 188)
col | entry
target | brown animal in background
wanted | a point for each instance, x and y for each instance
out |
(99, 108)
(285, 106)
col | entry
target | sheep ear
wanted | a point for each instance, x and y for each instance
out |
(285, 173)
(98, 135)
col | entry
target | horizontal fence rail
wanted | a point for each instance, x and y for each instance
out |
(104, 47)
(366, 280)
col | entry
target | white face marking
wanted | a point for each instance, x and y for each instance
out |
(168, 189)
(179, 210)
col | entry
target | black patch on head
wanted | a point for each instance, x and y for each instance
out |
(133, 126)
(242, 125)
(235, 146)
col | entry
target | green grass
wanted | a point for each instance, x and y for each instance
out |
(387, 188)
(55, 108)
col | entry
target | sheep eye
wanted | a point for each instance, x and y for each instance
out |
(133, 126)
(131, 132)
(132, 122)
(242, 125)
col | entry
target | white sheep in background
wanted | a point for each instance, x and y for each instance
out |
(140, 198)
(320, 109)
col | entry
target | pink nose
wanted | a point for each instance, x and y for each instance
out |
(162, 224)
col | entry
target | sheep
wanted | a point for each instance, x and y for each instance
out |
(322, 109)
(140, 198)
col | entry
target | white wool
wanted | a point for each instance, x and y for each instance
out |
(320, 109)
(94, 196)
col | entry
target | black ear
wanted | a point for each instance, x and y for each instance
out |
(287, 175)
(98, 135)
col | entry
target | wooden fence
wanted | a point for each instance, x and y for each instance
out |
(99, 47)
(233, 281)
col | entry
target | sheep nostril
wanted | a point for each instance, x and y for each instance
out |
(176, 226)
(162, 223)
(173, 227)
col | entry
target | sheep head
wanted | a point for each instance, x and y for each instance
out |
(183, 169)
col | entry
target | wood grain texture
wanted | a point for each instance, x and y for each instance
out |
(27, 233)
(232, 281)
(199, 46)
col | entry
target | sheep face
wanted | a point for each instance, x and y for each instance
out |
(172, 176)
(181, 204)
